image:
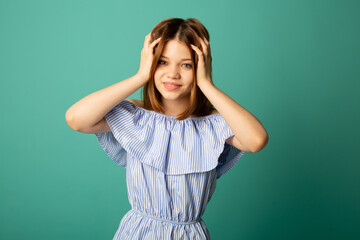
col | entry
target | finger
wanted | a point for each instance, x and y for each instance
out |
(204, 46)
(198, 51)
(147, 40)
(155, 42)
(208, 44)
(208, 50)
(206, 41)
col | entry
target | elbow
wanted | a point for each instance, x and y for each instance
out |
(261, 143)
(70, 121)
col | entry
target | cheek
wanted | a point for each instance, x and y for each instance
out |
(157, 75)
(189, 78)
(157, 79)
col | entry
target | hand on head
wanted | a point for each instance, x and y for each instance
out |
(147, 56)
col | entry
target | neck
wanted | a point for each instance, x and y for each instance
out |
(174, 107)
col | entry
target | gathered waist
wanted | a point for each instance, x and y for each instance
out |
(163, 219)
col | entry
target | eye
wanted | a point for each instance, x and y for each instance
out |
(162, 61)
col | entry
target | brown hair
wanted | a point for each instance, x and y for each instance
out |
(185, 31)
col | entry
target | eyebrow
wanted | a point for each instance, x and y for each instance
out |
(181, 59)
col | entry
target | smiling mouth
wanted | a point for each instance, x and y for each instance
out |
(171, 86)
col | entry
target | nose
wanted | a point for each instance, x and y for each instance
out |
(173, 72)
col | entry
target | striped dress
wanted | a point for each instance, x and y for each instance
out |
(171, 169)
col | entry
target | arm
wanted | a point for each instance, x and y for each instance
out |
(249, 134)
(87, 115)
(89, 112)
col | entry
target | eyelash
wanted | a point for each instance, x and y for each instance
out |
(184, 63)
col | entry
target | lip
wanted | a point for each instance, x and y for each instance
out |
(171, 88)
(172, 83)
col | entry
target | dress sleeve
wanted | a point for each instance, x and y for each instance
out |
(115, 118)
(230, 155)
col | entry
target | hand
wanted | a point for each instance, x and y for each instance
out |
(147, 56)
(204, 68)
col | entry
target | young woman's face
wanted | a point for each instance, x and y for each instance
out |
(174, 67)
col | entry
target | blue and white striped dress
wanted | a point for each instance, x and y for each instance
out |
(171, 169)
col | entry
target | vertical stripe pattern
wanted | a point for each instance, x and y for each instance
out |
(171, 169)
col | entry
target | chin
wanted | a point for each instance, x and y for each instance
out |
(174, 97)
(170, 97)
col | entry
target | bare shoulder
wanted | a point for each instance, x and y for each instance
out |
(137, 102)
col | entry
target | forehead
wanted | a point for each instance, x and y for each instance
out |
(176, 49)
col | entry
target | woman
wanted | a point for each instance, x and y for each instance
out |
(177, 141)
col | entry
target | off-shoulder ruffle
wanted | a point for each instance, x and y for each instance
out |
(195, 144)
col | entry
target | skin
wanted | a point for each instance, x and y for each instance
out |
(249, 133)
(172, 68)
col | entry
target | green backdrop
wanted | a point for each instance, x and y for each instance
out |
(293, 64)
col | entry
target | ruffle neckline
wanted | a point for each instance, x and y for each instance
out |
(137, 108)
(172, 146)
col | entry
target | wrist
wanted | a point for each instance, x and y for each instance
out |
(205, 83)
(142, 78)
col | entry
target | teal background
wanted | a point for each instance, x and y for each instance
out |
(293, 64)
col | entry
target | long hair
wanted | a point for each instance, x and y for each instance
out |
(185, 31)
